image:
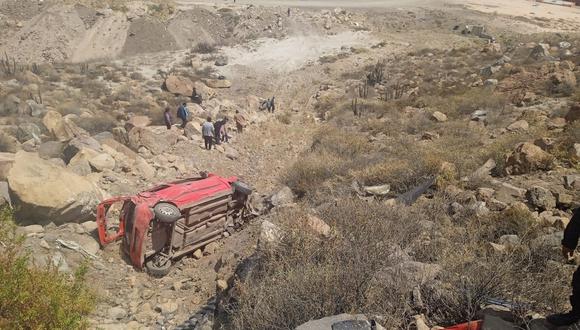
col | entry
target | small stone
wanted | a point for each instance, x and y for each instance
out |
(518, 126)
(89, 226)
(117, 313)
(44, 244)
(221, 285)
(439, 116)
(210, 248)
(197, 254)
(169, 307)
(30, 230)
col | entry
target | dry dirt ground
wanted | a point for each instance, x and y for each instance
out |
(287, 67)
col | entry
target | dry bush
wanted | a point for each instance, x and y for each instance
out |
(284, 118)
(204, 47)
(95, 125)
(306, 278)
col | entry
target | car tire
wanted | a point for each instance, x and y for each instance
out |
(166, 212)
(156, 270)
(242, 188)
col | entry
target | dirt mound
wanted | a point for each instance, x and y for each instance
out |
(197, 25)
(48, 36)
(94, 44)
(148, 36)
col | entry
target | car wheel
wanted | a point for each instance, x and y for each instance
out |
(242, 188)
(166, 212)
(158, 267)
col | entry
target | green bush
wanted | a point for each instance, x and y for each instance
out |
(38, 298)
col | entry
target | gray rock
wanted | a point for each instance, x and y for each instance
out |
(541, 198)
(337, 322)
(381, 190)
(28, 131)
(117, 313)
(30, 230)
(77, 144)
(89, 226)
(50, 149)
(541, 51)
(479, 115)
(59, 261)
(553, 241)
(270, 234)
(283, 197)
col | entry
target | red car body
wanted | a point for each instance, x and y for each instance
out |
(208, 205)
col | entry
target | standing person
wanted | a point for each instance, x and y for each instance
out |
(183, 114)
(224, 130)
(167, 118)
(272, 105)
(218, 131)
(207, 131)
(569, 244)
(240, 121)
(288, 11)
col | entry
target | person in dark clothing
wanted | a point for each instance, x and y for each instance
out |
(569, 244)
(272, 104)
(288, 12)
(195, 97)
(167, 118)
(218, 131)
(183, 114)
(224, 131)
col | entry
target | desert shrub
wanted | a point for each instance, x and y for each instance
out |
(38, 298)
(98, 124)
(204, 47)
(559, 89)
(284, 118)
(311, 171)
(305, 278)
(137, 76)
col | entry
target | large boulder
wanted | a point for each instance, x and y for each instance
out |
(203, 90)
(102, 162)
(6, 162)
(45, 192)
(157, 139)
(541, 198)
(51, 149)
(28, 131)
(77, 144)
(218, 83)
(527, 158)
(62, 128)
(179, 85)
(192, 129)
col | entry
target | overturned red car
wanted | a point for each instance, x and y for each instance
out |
(173, 219)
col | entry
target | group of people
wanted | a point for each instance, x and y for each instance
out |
(269, 104)
(212, 132)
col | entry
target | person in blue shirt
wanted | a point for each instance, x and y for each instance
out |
(183, 114)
